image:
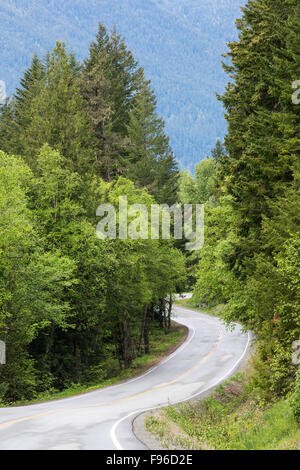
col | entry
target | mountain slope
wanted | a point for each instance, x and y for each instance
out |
(179, 42)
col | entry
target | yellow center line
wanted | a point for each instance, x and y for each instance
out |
(29, 418)
(166, 384)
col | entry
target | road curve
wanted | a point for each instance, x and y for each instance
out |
(103, 419)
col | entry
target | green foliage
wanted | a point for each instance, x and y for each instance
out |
(32, 280)
(232, 418)
(152, 163)
(296, 398)
(48, 109)
(200, 188)
(219, 151)
(121, 109)
(215, 282)
(250, 257)
(71, 304)
(100, 116)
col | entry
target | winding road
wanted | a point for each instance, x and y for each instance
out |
(103, 419)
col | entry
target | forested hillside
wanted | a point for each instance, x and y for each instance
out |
(73, 308)
(178, 42)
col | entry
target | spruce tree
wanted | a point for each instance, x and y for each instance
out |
(260, 179)
(56, 114)
(151, 163)
(109, 80)
(99, 108)
(263, 124)
(218, 151)
(120, 71)
(121, 109)
(32, 76)
(16, 115)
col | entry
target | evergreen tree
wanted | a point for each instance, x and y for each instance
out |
(99, 107)
(121, 71)
(263, 139)
(261, 178)
(219, 151)
(32, 77)
(151, 163)
(109, 81)
(48, 109)
(121, 108)
(16, 115)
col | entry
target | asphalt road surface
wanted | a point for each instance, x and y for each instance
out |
(103, 419)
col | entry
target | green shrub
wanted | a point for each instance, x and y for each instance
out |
(296, 398)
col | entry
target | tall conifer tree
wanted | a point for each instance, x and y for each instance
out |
(151, 163)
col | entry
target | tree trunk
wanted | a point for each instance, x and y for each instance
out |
(146, 333)
(170, 312)
(142, 332)
(125, 345)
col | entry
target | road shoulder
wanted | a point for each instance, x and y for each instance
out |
(149, 439)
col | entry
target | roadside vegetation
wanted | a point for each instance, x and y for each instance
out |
(233, 417)
(250, 262)
(161, 345)
(215, 311)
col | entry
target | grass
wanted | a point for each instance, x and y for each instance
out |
(161, 346)
(191, 304)
(231, 418)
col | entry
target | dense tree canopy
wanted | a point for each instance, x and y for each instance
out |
(250, 259)
(74, 308)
